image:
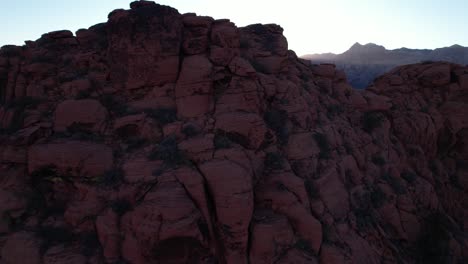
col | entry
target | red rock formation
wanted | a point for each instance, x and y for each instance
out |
(166, 138)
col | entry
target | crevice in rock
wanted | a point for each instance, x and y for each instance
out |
(211, 205)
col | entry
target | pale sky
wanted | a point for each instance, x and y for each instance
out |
(312, 26)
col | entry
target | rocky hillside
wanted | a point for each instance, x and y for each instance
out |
(363, 63)
(166, 138)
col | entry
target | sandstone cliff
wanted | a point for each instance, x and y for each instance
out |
(166, 138)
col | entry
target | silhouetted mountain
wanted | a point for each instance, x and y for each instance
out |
(363, 63)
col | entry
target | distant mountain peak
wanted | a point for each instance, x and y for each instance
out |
(369, 47)
(356, 45)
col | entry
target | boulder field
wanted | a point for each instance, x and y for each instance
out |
(160, 137)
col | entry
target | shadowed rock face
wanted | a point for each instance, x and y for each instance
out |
(166, 138)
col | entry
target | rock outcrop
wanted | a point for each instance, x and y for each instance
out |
(159, 137)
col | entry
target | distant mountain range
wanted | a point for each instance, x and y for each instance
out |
(363, 63)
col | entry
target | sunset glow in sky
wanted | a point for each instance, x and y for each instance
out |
(312, 26)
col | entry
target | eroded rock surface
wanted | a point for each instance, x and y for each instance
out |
(159, 137)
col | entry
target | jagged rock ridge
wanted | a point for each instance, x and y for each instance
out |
(166, 138)
(363, 63)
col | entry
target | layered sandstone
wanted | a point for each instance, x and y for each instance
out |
(159, 137)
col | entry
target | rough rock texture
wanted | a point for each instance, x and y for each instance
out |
(166, 138)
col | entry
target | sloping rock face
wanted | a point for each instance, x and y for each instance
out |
(166, 138)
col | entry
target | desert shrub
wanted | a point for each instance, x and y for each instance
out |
(135, 142)
(274, 160)
(238, 138)
(89, 243)
(371, 120)
(334, 110)
(40, 181)
(323, 144)
(311, 189)
(19, 106)
(221, 141)
(395, 183)
(433, 245)
(244, 43)
(204, 229)
(51, 236)
(455, 181)
(190, 130)
(348, 147)
(42, 200)
(220, 86)
(304, 77)
(115, 106)
(44, 173)
(378, 160)
(258, 67)
(162, 115)
(24, 102)
(168, 151)
(408, 176)
(365, 219)
(377, 197)
(120, 206)
(413, 152)
(303, 245)
(363, 207)
(427, 62)
(83, 94)
(43, 59)
(111, 177)
(158, 171)
(82, 132)
(462, 164)
(283, 101)
(277, 121)
(434, 168)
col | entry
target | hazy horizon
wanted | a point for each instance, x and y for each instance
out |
(310, 26)
(364, 44)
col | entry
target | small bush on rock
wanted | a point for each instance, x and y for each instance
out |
(135, 142)
(395, 183)
(221, 141)
(89, 243)
(378, 197)
(274, 160)
(113, 105)
(408, 176)
(323, 144)
(168, 151)
(112, 177)
(311, 189)
(334, 110)
(303, 245)
(51, 236)
(277, 121)
(433, 245)
(190, 130)
(378, 160)
(164, 116)
(121, 206)
(371, 120)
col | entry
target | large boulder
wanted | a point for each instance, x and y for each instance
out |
(87, 113)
